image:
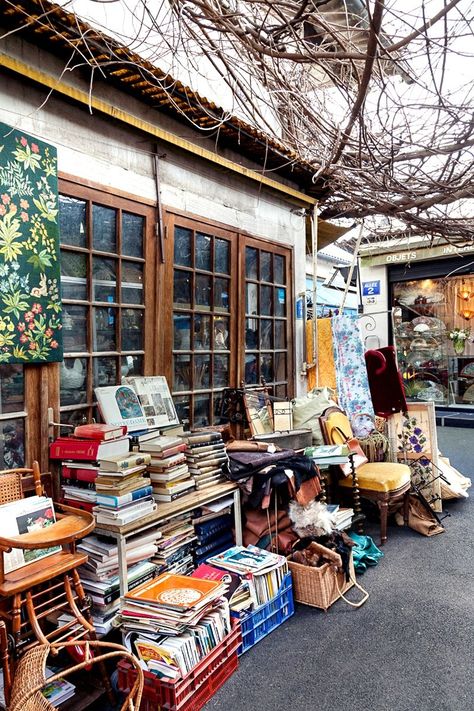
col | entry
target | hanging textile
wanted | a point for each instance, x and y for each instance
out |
(351, 372)
(30, 304)
(309, 355)
(326, 366)
(385, 382)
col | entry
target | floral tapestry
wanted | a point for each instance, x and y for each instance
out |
(30, 304)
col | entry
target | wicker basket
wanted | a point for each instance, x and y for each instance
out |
(320, 587)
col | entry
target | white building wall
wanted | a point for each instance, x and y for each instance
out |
(375, 322)
(94, 148)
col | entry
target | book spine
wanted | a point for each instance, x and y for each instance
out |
(114, 501)
(125, 463)
(74, 449)
(87, 475)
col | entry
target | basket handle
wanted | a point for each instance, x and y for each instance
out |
(356, 584)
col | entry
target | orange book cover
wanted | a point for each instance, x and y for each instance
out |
(176, 591)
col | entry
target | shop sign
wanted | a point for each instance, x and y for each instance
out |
(446, 250)
(370, 288)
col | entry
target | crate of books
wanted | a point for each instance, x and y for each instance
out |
(192, 691)
(267, 617)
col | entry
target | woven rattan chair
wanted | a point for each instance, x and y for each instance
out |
(385, 483)
(48, 586)
(30, 676)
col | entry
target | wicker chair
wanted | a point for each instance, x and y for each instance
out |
(385, 483)
(30, 676)
(44, 587)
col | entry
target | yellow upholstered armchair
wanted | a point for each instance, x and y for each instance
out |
(385, 483)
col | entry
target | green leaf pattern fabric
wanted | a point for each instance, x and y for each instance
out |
(30, 302)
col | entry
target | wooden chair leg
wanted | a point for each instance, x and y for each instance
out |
(406, 506)
(383, 508)
(6, 662)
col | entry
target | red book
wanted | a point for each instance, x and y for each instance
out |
(100, 431)
(87, 449)
(83, 505)
(79, 474)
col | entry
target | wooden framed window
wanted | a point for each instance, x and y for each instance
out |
(107, 279)
(268, 342)
(230, 311)
(12, 416)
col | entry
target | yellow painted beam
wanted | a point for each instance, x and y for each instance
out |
(82, 97)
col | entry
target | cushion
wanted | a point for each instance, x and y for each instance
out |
(307, 409)
(380, 476)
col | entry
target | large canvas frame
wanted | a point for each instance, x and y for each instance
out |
(414, 441)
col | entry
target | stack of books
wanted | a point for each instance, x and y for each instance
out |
(238, 591)
(328, 454)
(342, 516)
(79, 455)
(123, 493)
(178, 621)
(100, 575)
(167, 469)
(213, 536)
(264, 571)
(206, 457)
(175, 546)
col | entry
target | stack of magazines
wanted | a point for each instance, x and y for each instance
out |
(265, 571)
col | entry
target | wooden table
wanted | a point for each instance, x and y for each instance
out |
(165, 512)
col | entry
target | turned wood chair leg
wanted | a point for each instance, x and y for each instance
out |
(6, 662)
(383, 508)
(356, 497)
(406, 507)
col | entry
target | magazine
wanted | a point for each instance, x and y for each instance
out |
(24, 516)
(119, 405)
(155, 399)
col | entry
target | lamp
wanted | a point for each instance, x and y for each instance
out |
(465, 294)
(466, 313)
(465, 291)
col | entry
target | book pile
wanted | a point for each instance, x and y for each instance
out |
(167, 469)
(56, 692)
(206, 457)
(100, 575)
(264, 570)
(213, 536)
(238, 590)
(123, 493)
(179, 620)
(175, 546)
(328, 454)
(342, 516)
(79, 455)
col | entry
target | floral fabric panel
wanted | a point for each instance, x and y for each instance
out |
(30, 303)
(351, 372)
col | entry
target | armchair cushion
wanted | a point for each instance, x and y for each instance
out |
(380, 476)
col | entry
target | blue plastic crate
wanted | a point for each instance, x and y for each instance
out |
(257, 624)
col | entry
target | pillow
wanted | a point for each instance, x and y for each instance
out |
(308, 408)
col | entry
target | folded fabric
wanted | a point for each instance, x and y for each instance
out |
(257, 520)
(364, 552)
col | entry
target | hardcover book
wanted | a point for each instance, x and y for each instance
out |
(118, 462)
(178, 592)
(119, 405)
(87, 449)
(155, 398)
(100, 431)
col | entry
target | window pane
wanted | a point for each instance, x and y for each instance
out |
(221, 333)
(201, 372)
(251, 299)
(74, 328)
(250, 263)
(75, 417)
(131, 365)
(266, 366)
(73, 381)
(280, 366)
(182, 288)
(104, 279)
(103, 330)
(182, 332)
(251, 333)
(182, 372)
(11, 388)
(132, 234)
(221, 256)
(104, 371)
(221, 294)
(182, 246)
(251, 372)
(72, 221)
(266, 334)
(132, 283)
(201, 410)
(104, 233)
(132, 329)
(279, 269)
(203, 291)
(12, 435)
(280, 301)
(181, 403)
(221, 371)
(202, 332)
(280, 334)
(265, 266)
(266, 300)
(202, 256)
(73, 275)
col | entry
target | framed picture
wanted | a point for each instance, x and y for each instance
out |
(414, 440)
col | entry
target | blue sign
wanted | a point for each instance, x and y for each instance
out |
(370, 288)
